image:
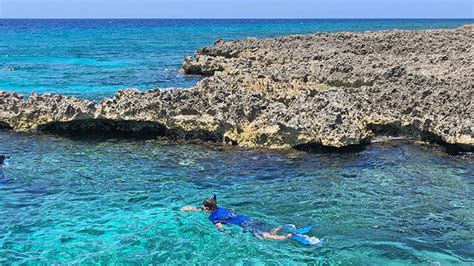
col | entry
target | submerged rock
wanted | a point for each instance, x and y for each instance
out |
(327, 89)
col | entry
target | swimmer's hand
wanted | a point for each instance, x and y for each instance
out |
(189, 209)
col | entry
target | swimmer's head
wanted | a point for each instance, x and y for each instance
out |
(210, 204)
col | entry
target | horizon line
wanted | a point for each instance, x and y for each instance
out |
(304, 18)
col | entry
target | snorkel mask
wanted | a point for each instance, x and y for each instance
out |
(210, 203)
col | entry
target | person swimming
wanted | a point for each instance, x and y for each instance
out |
(4, 157)
(3, 179)
(221, 216)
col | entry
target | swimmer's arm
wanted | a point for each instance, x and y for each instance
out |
(220, 226)
(190, 209)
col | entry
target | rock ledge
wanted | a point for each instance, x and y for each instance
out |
(326, 89)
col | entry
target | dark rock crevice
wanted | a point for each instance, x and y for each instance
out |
(126, 129)
(413, 133)
(4, 125)
(105, 127)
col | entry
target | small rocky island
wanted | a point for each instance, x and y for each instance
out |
(323, 90)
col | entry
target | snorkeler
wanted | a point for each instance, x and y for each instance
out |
(3, 157)
(220, 216)
(3, 179)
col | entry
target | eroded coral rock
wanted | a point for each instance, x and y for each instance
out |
(330, 89)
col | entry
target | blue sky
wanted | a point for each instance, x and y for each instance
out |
(236, 9)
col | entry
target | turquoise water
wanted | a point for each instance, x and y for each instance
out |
(95, 58)
(111, 201)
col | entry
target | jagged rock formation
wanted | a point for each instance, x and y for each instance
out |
(331, 89)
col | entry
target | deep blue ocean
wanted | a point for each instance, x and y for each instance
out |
(95, 58)
(117, 201)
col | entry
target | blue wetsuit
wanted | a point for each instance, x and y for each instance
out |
(258, 228)
(225, 216)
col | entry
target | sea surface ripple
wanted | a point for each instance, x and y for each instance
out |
(118, 201)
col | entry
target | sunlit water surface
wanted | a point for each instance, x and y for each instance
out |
(95, 58)
(117, 201)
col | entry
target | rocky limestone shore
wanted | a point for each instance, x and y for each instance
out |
(321, 90)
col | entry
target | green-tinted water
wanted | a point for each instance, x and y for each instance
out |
(111, 201)
(115, 201)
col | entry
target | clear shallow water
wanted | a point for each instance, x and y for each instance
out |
(95, 58)
(110, 201)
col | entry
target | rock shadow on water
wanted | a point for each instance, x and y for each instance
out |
(321, 149)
